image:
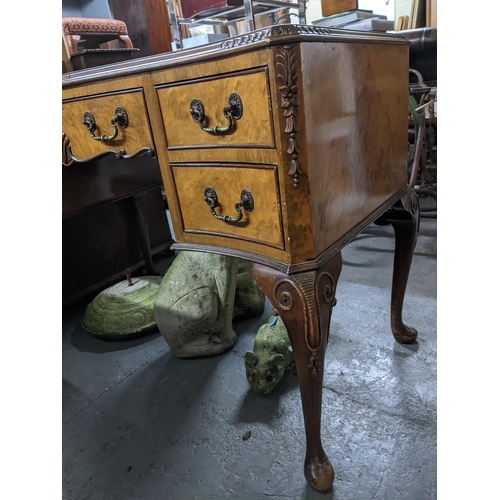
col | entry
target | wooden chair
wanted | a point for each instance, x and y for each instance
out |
(423, 95)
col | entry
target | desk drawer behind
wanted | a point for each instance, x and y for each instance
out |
(133, 129)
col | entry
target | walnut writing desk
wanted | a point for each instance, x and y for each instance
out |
(278, 146)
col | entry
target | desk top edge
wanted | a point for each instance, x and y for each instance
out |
(272, 35)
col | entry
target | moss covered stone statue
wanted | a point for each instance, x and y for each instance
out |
(271, 358)
(198, 300)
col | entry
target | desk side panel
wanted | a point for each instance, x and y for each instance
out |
(356, 109)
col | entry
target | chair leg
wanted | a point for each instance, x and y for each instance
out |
(126, 40)
(72, 44)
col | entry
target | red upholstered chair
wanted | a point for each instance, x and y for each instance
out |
(90, 32)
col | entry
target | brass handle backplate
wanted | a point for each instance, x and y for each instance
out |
(246, 202)
(233, 111)
(119, 120)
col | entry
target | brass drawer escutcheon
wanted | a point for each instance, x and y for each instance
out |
(119, 120)
(233, 111)
(245, 202)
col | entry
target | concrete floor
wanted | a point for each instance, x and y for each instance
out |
(141, 424)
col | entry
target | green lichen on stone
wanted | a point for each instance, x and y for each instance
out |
(194, 306)
(271, 358)
(199, 297)
(123, 311)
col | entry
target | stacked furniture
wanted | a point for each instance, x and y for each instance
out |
(229, 12)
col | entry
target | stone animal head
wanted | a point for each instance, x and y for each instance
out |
(264, 371)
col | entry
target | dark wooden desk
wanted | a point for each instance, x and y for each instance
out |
(113, 219)
(278, 146)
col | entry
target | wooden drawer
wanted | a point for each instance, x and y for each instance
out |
(135, 138)
(263, 224)
(254, 129)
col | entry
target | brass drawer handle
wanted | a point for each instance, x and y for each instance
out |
(246, 202)
(119, 120)
(232, 111)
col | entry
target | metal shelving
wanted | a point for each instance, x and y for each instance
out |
(229, 16)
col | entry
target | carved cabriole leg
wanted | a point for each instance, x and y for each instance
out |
(304, 301)
(405, 220)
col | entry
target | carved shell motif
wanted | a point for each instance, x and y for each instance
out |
(287, 74)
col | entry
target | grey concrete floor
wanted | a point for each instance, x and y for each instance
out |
(141, 424)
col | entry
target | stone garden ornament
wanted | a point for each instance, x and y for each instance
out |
(124, 310)
(271, 358)
(195, 305)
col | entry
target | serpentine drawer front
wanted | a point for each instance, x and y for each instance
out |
(230, 111)
(112, 123)
(238, 202)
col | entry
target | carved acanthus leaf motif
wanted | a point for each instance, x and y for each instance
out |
(304, 301)
(299, 292)
(287, 74)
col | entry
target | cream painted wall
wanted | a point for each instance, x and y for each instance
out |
(382, 7)
(313, 11)
(402, 8)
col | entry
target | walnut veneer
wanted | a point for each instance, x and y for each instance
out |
(319, 140)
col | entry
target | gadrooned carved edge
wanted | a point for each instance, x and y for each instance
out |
(255, 36)
(295, 29)
(287, 74)
(68, 158)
